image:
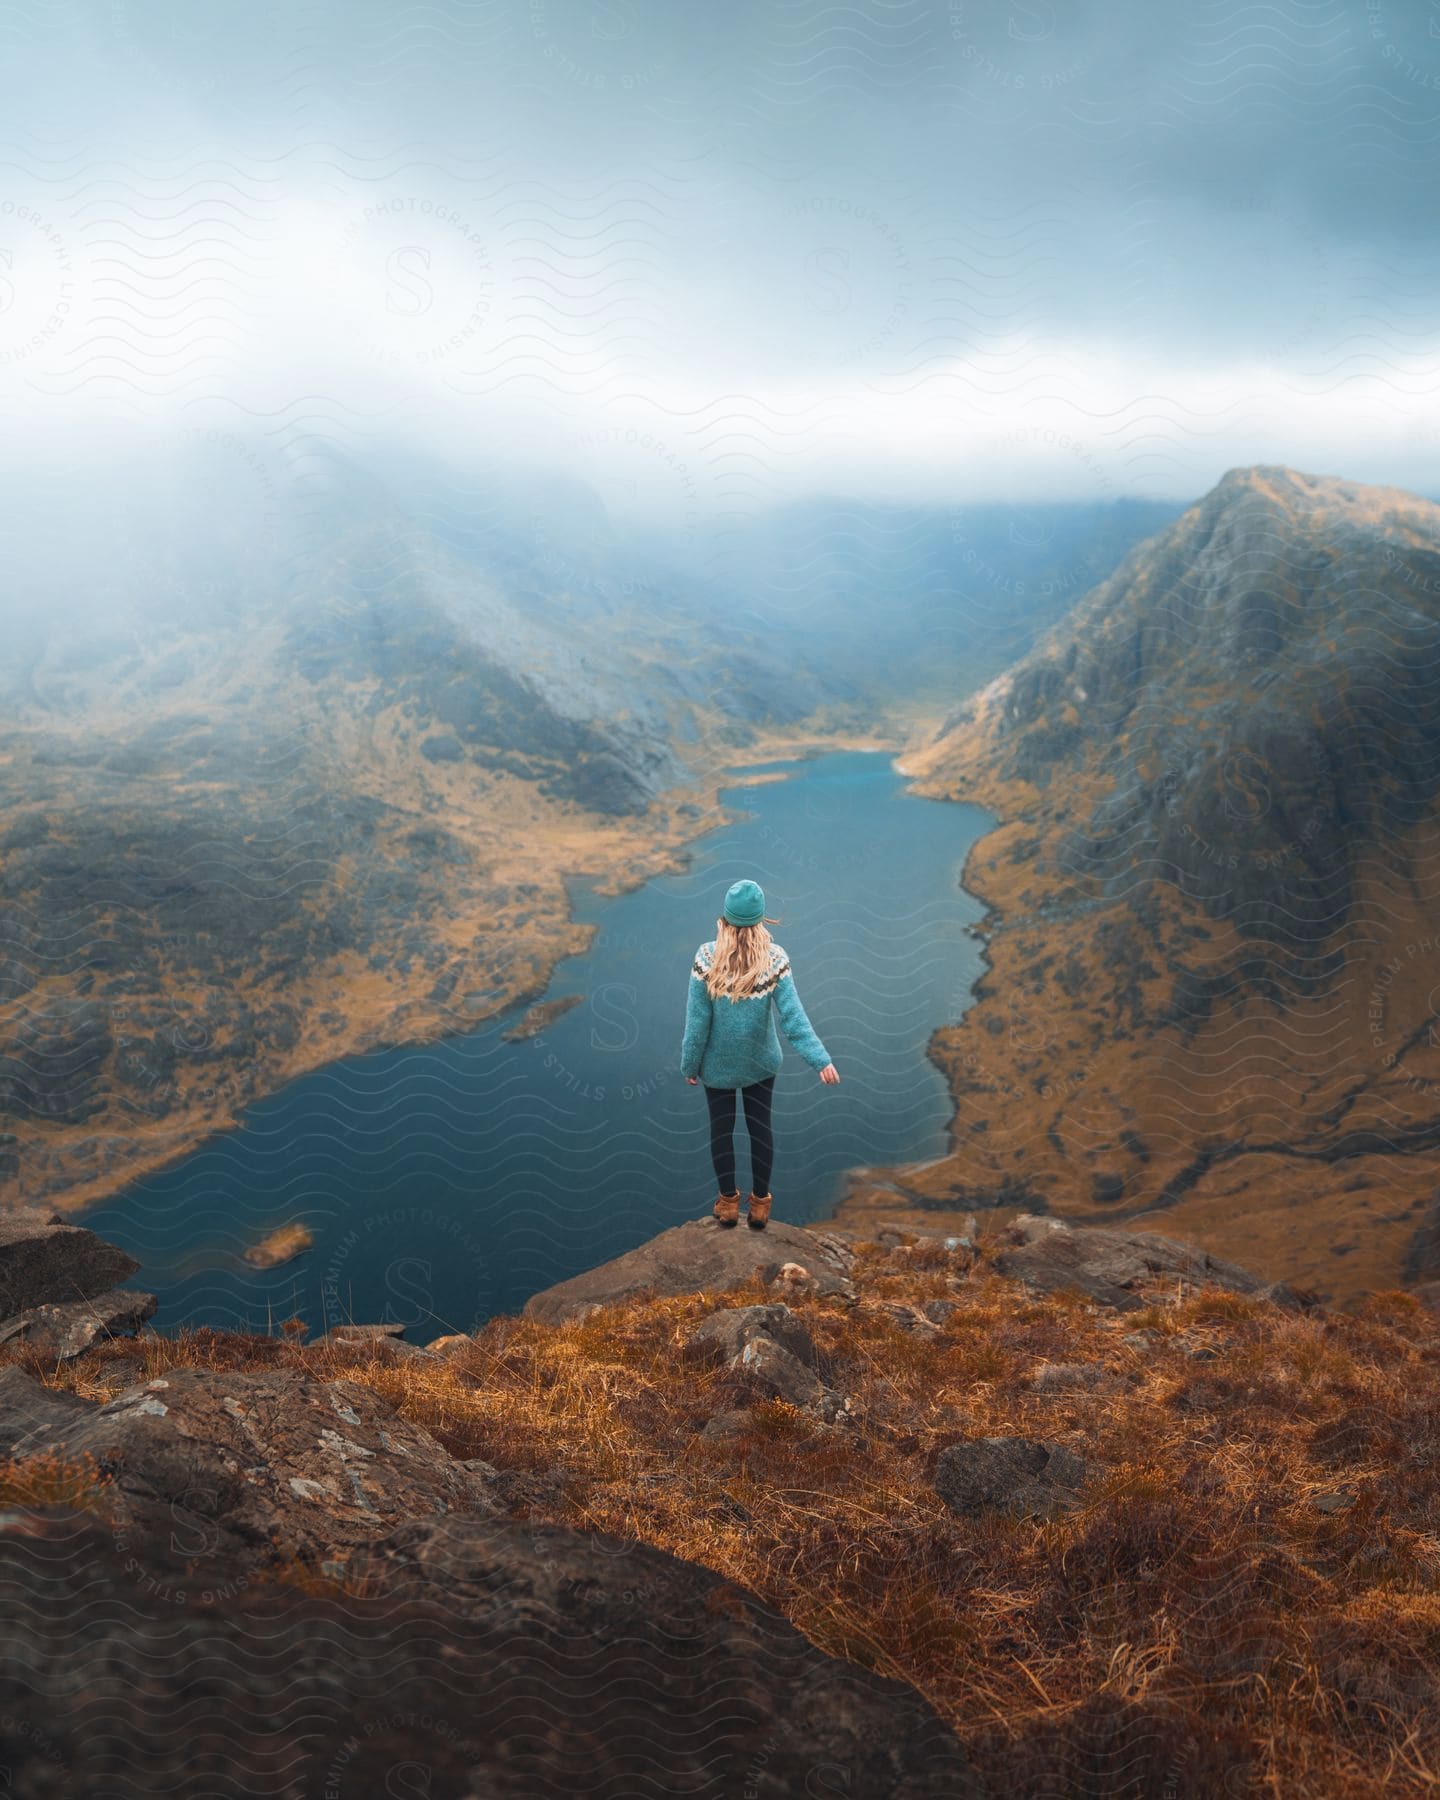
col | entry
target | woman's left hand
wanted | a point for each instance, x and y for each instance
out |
(693, 1080)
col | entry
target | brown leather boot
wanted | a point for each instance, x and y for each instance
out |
(757, 1211)
(727, 1208)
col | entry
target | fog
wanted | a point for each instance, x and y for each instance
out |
(701, 260)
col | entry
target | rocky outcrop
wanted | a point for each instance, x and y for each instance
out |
(61, 1333)
(724, 1335)
(44, 1259)
(699, 1256)
(490, 1658)
(57, 1292)
(540, 1017)
(1118, 1267)
(774, 1352)
(1011, 1475)
(254, 1466)
(273, 1583)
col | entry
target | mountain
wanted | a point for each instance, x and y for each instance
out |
(1215, 975)
(294, 762)
(319, 791)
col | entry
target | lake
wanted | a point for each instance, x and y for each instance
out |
(447, 1182)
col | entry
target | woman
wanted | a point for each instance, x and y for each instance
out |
(730, 1042)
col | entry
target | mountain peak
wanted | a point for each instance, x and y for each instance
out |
(1222, 773)
(1323, 500)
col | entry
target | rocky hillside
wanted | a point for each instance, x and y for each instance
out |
(1215, 979)
(909, 1517)
(243, 837)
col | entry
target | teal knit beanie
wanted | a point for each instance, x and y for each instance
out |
(745, 903)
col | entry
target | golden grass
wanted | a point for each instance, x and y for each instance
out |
(47, 1479)
(1069, 1067)
(1200, 1605)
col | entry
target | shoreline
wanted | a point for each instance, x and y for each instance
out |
(184, 1132)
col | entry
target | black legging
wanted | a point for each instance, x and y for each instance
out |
(757, 1099)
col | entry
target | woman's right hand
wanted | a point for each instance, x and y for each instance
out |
(829, 1074)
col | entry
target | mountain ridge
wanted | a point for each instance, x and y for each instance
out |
(1218, 779)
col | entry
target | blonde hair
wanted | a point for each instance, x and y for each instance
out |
(741, 960)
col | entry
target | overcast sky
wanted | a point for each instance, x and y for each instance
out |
(706, 255)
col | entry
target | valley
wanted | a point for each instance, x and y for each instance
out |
(326, 795)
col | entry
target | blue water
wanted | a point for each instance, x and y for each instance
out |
(447, 1182)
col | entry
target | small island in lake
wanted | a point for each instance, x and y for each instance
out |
(279, 1247)
(543, 1013)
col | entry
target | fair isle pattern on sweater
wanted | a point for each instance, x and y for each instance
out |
(779, 965)
(732, 1043)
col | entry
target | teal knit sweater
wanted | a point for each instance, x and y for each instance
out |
(732, 1043)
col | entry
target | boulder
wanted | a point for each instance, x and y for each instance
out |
(792, 1279)
(63, 1331)
(700, 1256)
(714, 1690)
(780, 1376)
(45, 1261)
(245, 1467)
(772, 1348)
(723, 1335)
(1010, 1475)
(1114, 1266)
(31, 1414)
(509, 1660)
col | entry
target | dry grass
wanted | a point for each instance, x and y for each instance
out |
(47, 1479)
(1200, 1622)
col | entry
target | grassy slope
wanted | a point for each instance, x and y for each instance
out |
(1296, 1133)
(1200, 1617)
